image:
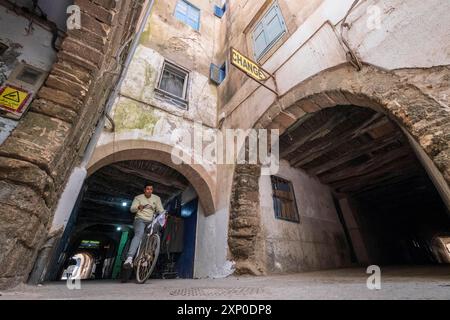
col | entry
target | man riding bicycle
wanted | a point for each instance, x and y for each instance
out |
(146, 206)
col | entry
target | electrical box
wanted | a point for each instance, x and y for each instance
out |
(17, 92)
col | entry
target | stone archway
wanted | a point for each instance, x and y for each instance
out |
(423, 119)
(124, 150)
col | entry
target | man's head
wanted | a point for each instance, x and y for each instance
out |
(148, 190)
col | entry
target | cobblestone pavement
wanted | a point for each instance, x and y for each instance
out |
(396, 283)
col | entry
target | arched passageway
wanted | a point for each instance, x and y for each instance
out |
(102, 223)
(389, 207)
(363, 178)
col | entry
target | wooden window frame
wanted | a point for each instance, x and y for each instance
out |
(294, 217)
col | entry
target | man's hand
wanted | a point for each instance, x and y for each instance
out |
(141, 207)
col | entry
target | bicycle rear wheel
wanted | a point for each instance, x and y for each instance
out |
(147, 258)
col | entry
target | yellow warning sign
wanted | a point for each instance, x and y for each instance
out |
(13, 99)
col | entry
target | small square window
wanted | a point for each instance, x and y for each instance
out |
(187, 13)
(217, 74)
(218, 11)
(269, 29)
(173, 83)
(284, 203)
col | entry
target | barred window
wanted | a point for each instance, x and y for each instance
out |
(284, 203)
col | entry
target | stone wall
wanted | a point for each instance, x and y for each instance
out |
(38, 156)
(244, 236)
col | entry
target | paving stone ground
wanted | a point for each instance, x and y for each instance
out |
(422, 282)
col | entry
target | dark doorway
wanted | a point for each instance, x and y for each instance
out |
(185, 265)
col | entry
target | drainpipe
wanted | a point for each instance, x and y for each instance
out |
(78, 175)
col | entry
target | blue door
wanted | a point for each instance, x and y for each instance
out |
(185, 263)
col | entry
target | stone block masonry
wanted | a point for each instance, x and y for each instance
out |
(37, 158)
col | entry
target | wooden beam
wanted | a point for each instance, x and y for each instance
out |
(122, 182)
(355, 153)
(329, 125)
(395, 169)
(376, 163)
(150, 176)
(336, 141)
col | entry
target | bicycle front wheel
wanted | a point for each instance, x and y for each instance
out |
(147, 258)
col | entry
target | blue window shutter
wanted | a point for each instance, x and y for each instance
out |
(268, 31)
(217, 74)
(218, 12)
(181, 11)
(273, 24)
(259, 39)
(188, 14)
(193, 17)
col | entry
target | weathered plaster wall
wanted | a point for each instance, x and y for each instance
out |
(316, 46)
(142, 79)
(33, 48)
(178, 41)
(37, 158)
(317, 242)
(423, 26)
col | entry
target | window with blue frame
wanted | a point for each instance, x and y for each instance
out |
(217, 74)
(218, 11)
(269, 29)
(187, 13)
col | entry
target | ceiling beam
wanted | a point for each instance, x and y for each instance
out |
(356, 153)
(375, 163)
(150, 176)
(325, 128)
(336, 141)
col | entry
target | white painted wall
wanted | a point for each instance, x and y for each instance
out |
(143, 76)
(317, 242)
(212, 247)
(410, 34)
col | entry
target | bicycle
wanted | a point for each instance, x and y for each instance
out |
(148, 250)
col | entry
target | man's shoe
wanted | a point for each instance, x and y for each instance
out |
(128, 264)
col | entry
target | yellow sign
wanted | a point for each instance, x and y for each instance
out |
(246, 65)
(13, 99)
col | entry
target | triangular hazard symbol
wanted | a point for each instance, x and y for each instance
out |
(14, 96)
